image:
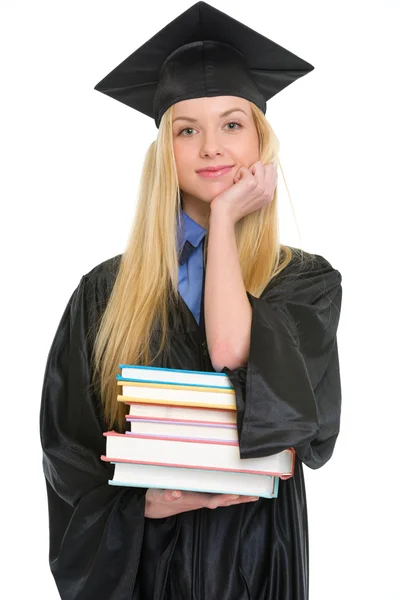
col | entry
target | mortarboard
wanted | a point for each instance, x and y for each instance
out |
(202, 52)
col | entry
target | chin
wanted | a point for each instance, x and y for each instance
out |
(214, 188)
(207, 191)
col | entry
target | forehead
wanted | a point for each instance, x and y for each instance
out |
(210, 106)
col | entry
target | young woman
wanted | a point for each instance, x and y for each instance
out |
(204, 284)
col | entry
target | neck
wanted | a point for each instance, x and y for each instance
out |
(197, 210)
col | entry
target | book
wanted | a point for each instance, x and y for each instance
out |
(182, 387)
(181, 413)
(183, 435)
(175, 376)
(200, 480)
(189, 429)
(177, 394)
(193, 453)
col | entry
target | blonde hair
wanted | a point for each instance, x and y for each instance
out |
(146, 285)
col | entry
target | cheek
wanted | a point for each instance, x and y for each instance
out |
(184, 161)
(180, 153)
(248, 151)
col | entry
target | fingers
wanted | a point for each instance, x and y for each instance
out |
(192, 498)
(242, 500)
(240, 173)
(171, 495)
(267, 177)
(259, 170)
(204, 499)
(229, 501)
(259, 167)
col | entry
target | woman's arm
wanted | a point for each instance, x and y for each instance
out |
(227, 310)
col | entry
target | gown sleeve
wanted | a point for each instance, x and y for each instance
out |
(289, 392)
(95, 529)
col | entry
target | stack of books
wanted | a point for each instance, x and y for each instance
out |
(182, 434)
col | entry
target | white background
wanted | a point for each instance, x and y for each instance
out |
(71, 161)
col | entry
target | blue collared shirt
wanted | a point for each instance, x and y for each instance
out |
(191, 272)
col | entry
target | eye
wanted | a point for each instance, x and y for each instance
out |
(234, 123)
(239, 126)
(186, 129)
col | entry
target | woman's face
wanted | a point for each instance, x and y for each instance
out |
(205, 135)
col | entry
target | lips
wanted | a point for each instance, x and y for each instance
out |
(215, 168)
(214, 172)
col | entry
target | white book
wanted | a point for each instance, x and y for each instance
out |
(199, 480)
(182, 413)
(179, 429)
(201, 454)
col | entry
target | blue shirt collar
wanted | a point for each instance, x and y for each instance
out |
(192, 231)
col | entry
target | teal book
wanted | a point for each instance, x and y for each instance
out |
(194, 480)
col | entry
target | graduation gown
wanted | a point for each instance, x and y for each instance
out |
(101, 546)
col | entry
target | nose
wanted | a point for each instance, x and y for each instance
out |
(210, 145)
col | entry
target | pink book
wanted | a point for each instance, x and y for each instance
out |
(184, 429)
(182, 413)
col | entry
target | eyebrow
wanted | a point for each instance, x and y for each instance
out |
(224, 114)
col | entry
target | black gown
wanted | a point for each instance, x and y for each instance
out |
(288, 395)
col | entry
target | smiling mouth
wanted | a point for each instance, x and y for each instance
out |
(211, 174)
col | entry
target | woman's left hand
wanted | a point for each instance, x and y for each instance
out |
(252, 189)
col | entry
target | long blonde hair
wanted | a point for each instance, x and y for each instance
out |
(146, 285)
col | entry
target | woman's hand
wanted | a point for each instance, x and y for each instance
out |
(252, 189)
(163, 503)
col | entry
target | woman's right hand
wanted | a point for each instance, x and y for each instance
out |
(162, 503)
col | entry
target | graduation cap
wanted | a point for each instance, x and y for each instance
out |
(203, 52)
